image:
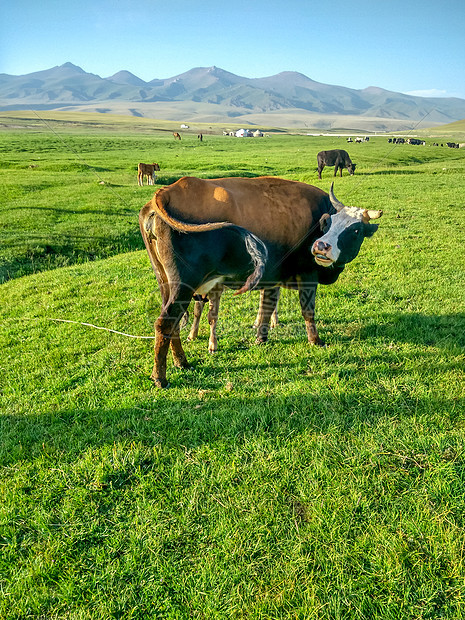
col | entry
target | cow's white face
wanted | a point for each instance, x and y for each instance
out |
(342, 238)
(343, 235)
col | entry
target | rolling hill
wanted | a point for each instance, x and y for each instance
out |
(214, 95)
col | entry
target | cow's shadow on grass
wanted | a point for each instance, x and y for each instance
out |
(287, 396)
(212, 415)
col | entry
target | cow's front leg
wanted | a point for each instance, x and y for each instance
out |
(307, 295)
(268, 302)
(213, 309)
(274, 321)
(198, 308)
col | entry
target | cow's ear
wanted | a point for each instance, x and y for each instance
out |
(374, 214)
(369, 214)
(324, 221)
(370, 229)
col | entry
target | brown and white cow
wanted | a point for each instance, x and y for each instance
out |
(308, 237)
(147, 170)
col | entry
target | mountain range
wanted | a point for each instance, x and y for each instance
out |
(214, 95)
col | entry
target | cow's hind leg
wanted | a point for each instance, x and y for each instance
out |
(179, 357)
(267, 306)
(167, 333)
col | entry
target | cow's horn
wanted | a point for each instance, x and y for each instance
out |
(372, 214)
(334, 201)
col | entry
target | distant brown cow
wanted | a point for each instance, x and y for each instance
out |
(147, 170)
(176, 135)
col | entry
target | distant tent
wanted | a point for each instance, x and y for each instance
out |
(257, 134)
(243, 133)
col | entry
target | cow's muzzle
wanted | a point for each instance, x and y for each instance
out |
(322, 253)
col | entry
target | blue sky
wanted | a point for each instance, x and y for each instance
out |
(407, 46)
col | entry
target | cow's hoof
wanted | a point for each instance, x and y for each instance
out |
(261, 341)
(318, 342)
(160, 383)
(183, 365)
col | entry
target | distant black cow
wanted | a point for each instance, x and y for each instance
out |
(338, 158)
(452, 145)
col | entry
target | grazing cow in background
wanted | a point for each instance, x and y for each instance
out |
(358, 140)
(176, 135)
(338, 158)
(147, 170)
(203, 232)
(200, 137)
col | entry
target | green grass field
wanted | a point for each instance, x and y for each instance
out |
(269, 482)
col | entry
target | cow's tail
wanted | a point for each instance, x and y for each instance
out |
(258, 255)
(159, 204)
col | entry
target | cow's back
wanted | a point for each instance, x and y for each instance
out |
(330, 158)
(276, 210)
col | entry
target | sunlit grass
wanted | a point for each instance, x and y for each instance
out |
(278, 481)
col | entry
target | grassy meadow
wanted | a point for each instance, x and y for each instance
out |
(269, 482)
